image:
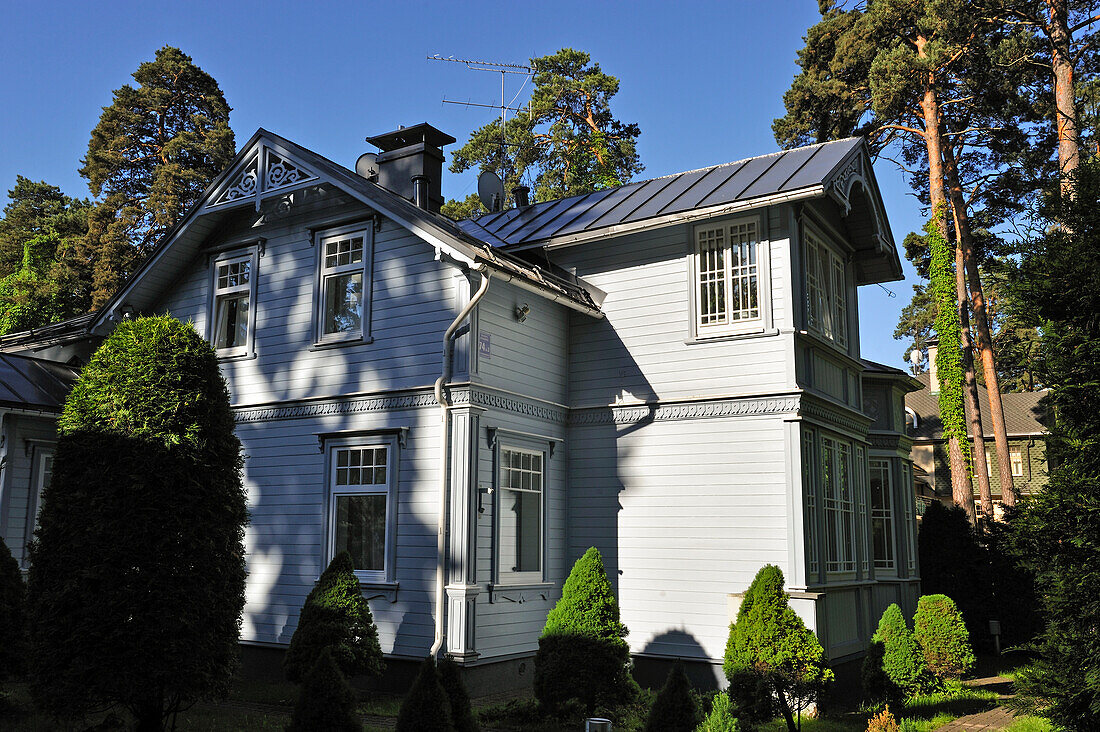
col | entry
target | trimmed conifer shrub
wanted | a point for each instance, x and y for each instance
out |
(582, 654)
(426, 708)
(721, 717)
(878, 687)
(13, 628)
(772, 659)
(902, 659)
(326, 700)
(137, 573)
(335, 616)
(883, 722)
(674, 708)
(462, 714)
(939, 630)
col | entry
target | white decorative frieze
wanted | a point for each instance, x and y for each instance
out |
(282, 172)
(662, 412)
(267, 171)
(242, 186)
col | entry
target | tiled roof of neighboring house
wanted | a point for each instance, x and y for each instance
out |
(52, 333)
(1024, 412)
(31, 383)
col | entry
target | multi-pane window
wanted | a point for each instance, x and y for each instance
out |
(909, 501)
(345, 256)
(520, 541)
(45, 474)
(1015, 462)
(882, 515)
(839, 505)
(233, 287)
(809, 486)
(826, 291)
(360, 481)
(727, 277)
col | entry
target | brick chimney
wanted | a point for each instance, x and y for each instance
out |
(411, 163)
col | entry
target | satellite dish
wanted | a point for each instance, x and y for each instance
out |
(490, 190)
(367, 165)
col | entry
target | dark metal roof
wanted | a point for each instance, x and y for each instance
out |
(801, 170)
(31, 383)
(60, 332)
(1025, 412)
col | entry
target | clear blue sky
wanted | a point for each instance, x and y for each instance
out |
(703, 80)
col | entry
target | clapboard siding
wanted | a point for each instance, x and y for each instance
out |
(684, 512)
(20, 480)
(641, 346)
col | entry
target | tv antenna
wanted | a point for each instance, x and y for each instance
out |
(503, 69)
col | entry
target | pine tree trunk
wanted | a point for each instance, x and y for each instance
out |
(1065, 109)
(930, 107)
(981, 316)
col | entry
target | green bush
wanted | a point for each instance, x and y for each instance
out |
(878, 687)
(940, 632)
(426, 708)
(722, 717)
(326, 701)
(674, 709)
(772, 659)
(137, 571)
(582, 654)
(335, 616)
(902, 659)
(462, 714)
(13, 628)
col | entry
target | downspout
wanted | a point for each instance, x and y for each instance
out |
(445, 406)
(4, 424)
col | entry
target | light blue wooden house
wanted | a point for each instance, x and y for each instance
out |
(669, 371)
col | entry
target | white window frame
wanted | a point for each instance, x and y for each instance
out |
(909, 501)
(218, 293)
(826, 288)
(837, 498)
(326, 273)
(506, 576)
(1016, 462)
(810, 489)
(884, 513)
(731, 321)
(388, 489)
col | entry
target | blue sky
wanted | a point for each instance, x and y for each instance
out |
(703, 80)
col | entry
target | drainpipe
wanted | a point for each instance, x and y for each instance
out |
(445, 406)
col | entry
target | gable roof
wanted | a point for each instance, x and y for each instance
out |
(235, 188)
(827, 169)
(34, 384)
(1024, 412)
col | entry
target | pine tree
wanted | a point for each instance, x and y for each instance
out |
(13, 627)
(137, 571)
(326, 701)
(939, 630)
(155, 149)
(462, 714)
(336, 617)
(426, 708)
(674, 709)
(771, 650)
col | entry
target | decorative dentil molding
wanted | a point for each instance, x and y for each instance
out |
(355, 405)
(734, 407)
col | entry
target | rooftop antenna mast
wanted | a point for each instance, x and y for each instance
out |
(503, 69)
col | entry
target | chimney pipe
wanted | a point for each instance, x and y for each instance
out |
(519, 195)
(420, 191)
(933, 376)
(408, 155)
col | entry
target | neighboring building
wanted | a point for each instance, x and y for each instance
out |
(669, 370)
(1024, 417)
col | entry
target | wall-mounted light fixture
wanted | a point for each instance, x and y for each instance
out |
(522, 312)
(127, 312)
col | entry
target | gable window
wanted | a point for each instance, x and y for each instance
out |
(521, 508)
(826, 290)
(233, 315)
(837, 500)
(882, 515)
(344, 284)
(727, 278)
(361, 506)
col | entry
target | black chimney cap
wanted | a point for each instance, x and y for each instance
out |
(406, 136)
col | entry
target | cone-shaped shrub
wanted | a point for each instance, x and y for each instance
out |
(582, 654)
(326, 700)
(137, 571)
(426, 708)
(940, 632)
(462, 714)
(902, 659)
(771, 657)
(674, 709)
(13, 628)
(877, 685)
(883, 722)
(722, 717)
(335, 616)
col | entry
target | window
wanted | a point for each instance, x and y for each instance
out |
(882, 515)
(826, 291)
(727, 278)
(520, 523)
(361, 505)
(344, 287)
(837, 500)
(809, 485)
(43, 473)
(909, 501)
(1016, 462)
(234, 287)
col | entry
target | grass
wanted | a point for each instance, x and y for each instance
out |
(1030, 724)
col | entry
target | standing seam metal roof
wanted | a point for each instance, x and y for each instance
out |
(31, 383)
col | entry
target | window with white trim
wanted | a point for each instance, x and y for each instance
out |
(908, 492)
(520, 515)
(882, 515)
(43, 475)
(234, 295)
(727, 278)
(1015, 461)
(809, 488)
(361, 505)
(826, 290)
(838, 503)
(343, 311)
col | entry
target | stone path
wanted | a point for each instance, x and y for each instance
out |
(994, 719)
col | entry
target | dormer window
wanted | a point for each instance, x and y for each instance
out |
(727, 278)
(232, 313)
(344, 284)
